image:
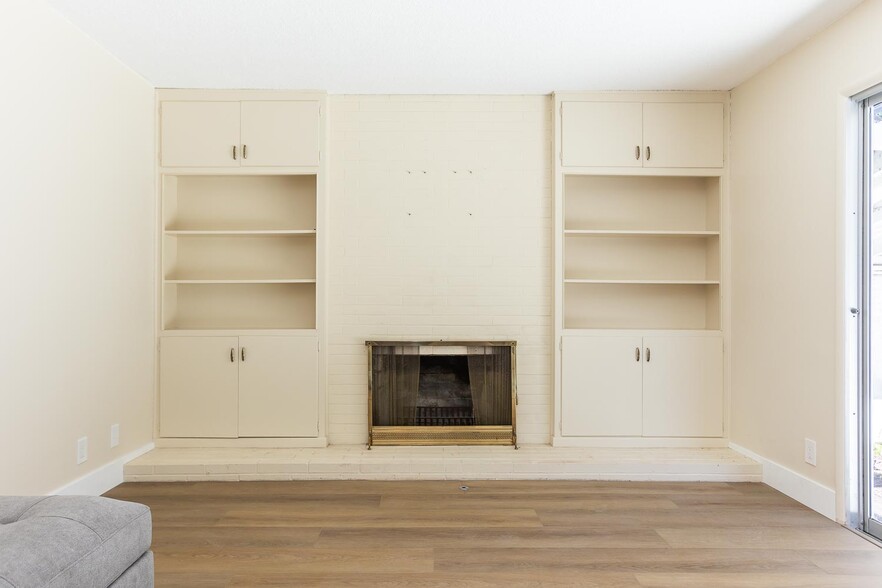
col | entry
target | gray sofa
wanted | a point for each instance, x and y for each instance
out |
(74, 541)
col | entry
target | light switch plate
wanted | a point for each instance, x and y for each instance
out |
(811, 452)
(82, 449)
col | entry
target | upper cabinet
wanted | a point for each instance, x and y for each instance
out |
(602, 134)
(200, 134)
(684, 134)
(280, 133)
(248, 133)
(642, 134)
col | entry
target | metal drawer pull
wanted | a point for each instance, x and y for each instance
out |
(648, 153)
(637, 353)
(234, 152)
(243, 354)
(232, 354)
(637, 152)
(648, 352)
(244, 151)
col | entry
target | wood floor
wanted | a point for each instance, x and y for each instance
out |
(511, 533)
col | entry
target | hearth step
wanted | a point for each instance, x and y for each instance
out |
(444, 416)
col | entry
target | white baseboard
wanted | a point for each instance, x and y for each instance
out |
(810, 493)
(243, 442)
(639, 442)
(99, 481)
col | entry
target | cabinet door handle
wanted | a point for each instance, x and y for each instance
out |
(648, 153)
(648, 354)
(243, 354)
(234, 152)
(244, 151)
(637, 152)
(232, 354)
(637, 353)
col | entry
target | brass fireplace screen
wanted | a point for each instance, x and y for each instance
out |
(441, 393)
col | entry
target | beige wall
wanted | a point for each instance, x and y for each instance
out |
(784, 153)
(76, 251)
(440, 227)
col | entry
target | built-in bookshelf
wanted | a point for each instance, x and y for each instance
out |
(239, 252)
(641, 252)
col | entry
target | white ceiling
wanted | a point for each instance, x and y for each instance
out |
(451, 46)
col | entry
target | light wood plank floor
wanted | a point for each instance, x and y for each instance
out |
(498, 533)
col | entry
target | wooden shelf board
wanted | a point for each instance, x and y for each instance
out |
(266, 281)
(641, 233)
(233, 328)
(660, 282)
(190, 332)
(175, 232)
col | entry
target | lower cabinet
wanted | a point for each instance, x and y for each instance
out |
(238, 387)
(642, 385)
(198, 387)
(602, 386)
(683, 387)
(278, 387)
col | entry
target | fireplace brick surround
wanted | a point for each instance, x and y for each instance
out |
(459, 248)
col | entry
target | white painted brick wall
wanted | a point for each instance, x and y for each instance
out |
(440, 227)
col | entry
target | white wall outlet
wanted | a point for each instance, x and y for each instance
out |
(811, 452)
(82, 449)
(114, 435)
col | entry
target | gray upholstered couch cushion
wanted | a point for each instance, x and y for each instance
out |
(69, 541)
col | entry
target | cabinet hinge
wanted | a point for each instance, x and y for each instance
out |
(318, 345)
(320, 154)
(560, 344)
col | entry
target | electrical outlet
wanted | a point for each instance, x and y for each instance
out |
(811, 452)
(114, 435)
(82, 449)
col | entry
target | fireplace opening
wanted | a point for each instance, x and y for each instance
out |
(444, 397)
(443, 392)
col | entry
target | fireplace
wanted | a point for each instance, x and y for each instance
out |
(441, 393)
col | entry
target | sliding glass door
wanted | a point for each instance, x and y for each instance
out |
(871, 315)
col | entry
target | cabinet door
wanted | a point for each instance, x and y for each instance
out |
(278, 387)
(601, 134)
(683, 135)
(280, 133)
(198, 387)
(683, 386)
(200, 134)
(601, 386)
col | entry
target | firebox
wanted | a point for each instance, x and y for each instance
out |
(441, 393)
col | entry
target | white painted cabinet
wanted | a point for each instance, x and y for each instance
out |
(238, 386)
(650, 385)
(280, 133)
(602, 377)
(684, 134)
(603, 134)
(682, 386)
(278, 387)
(250, 133)
(199, 379)
(200, 134)
(648, 134)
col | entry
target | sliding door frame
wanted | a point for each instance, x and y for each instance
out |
(864, 312)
